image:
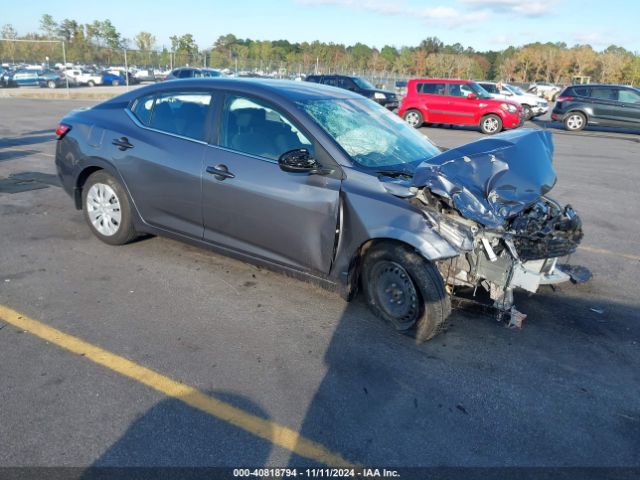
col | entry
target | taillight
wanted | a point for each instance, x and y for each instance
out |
(62, 130)
(564, 99)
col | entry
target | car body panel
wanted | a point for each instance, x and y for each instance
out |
(314, 225)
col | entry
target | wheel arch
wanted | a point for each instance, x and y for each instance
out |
(351, 284)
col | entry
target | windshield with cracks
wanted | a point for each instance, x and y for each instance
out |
(372, 136)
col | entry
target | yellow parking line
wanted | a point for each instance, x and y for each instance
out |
(268, 430)
(628, 256)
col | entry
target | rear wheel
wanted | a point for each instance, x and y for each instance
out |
(575, 121)
(413, 118)
(115, 83)
(491, 124)
(51, 84)
(91, 83)
(405, 290)
(107, 209)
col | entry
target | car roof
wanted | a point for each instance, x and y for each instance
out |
(287, 89)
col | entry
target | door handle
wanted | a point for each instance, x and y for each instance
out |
(220, 172)
(122, 143)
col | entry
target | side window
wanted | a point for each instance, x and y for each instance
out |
(249, 126)
(332, 81)
(456, 90)
(465, 89)
(628, 96)
(603, 93)
(430, 88)
(489, 87)
(181, 113)
(185, 73)
(142, 108)
(579, 91)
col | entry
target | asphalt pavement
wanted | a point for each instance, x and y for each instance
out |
(561, 392)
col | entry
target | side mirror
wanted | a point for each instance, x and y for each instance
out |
(472, 96)
(506, 92)
(301, 161)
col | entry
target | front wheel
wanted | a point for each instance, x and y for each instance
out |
(491, 124)
(115, 83)
(405, 290)
(107, 209)
(575, 121)
(413, 118)
(527, 112)
(51, 84)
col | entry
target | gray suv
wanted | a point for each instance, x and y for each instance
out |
(606, 105)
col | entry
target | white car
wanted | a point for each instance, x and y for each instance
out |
(82, 77)
(532, 105)
(545, 90)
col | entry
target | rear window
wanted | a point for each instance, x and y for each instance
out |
(430, 88)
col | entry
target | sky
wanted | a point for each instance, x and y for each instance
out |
(481, 24)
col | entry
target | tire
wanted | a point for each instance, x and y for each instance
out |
(51, 84)
(491, 124)
(91, 83)
(103, 195)
(115, 83)
(393, 273)
(575, 121)
(527, 112)
(413, 118)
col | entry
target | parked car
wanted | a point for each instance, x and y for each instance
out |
(6, 78)
(532, 105)
(39, 78)
(324, 184)
(596, 104)
(359, 85)
(112, 78)
(545, 90)
(126, 75)
(145, 75)
(189, 72)
(457, 102)
(83, 77)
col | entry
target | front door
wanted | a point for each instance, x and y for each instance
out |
(250, 205)
(462, 109)
(629, 107)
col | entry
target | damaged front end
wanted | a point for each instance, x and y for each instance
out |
(488, 200)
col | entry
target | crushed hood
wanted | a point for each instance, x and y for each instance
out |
(493, 179)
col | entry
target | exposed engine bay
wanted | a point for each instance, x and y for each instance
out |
(490, 203)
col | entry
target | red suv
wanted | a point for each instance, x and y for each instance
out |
(457, 102)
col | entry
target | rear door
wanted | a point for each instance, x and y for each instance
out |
(629, 103)
(163, 165)
(255, 207)
(606, 109)
(432, 101)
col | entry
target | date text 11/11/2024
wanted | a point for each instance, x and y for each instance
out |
(315, 473)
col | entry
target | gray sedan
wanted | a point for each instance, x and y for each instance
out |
(324, 184)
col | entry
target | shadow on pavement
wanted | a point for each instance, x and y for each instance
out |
(561, 392)
(175, 440)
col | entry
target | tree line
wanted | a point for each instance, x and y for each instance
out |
(99, 42)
